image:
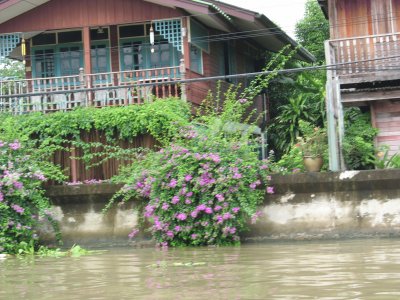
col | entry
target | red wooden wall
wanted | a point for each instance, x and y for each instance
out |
(60, 14)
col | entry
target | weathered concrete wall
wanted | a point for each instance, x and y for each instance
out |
(332, 205)
(305, 206)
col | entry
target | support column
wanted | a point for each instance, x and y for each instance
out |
(185, 61)
(87, 62)
(333, 142)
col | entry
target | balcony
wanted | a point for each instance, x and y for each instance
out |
(97, 90)
(365, 59)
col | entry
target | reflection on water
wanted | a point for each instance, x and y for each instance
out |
(362, 269)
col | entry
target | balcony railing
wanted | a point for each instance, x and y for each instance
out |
(364, 57)
(98, 90)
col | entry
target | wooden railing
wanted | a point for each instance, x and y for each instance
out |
(360, 56)
(99, 90)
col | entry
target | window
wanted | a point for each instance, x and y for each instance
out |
(70, 60)
(44, 39)
(133, 55)
(99, 57)
(69, 37)
(44, 65)
(196, 59)
(98, 34)
(161, 57)
(132, 31)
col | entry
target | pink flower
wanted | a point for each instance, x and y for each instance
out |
(173, 183)
(175, 200)
(227, 216)
(1, 197)
(165, 206)
(270, 190)
(178, 228)
(242, 101)
(237, 176)
(201, 207)
(14, 146)
(133, 233)
(190, 194)
(194, 214)
(220, 197)
(188, 177)
(208, 210)
(188, 201)
(170, 233)
(217, 208)
(181, 216)
(18, 185)
(193, 236)
(18, 208)
(235, 210)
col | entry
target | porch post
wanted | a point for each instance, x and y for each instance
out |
(185, 61)
(331, 114)
(87, 62)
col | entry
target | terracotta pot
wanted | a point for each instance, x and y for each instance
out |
(313, 163)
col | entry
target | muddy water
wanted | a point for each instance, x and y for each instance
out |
(360, 269)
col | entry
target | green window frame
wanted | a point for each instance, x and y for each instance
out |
(100, 57)
(57, 60)
(136, 54)
(44, 63)
(196, 59)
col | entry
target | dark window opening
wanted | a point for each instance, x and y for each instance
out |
(44, 39)
(99, 34)
(131, 31)
(70, 37)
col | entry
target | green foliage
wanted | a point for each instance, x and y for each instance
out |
(23, 205)
(289, 163)
(313, 140)
(313, 30)
(202, 188)
(306, 103)
(47, 133)
(12, 69)
(358, 143)
(382, 159)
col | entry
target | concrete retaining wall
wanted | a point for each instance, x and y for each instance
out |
(305, 206)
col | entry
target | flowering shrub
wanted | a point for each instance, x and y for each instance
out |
(205, 187)
(22, 204)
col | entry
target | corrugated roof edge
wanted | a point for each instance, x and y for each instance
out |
(285, 38)
(282, 35)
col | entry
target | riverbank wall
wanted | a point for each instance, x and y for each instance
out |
(306, 206)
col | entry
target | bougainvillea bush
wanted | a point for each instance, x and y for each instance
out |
(22, 201)
(205, 187)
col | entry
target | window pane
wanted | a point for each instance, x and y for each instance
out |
(70, 37)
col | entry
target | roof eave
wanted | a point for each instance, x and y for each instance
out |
(324, 6)
(303, 53)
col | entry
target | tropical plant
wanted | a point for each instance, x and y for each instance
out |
(383, 160)
(313, 140)
(23, 205)
(313, 30)
(204, 188)
(307, 103)
(358, 142)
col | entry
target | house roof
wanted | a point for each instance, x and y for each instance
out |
(11, 8)
(324, 7)
(247, 23)
(216, 14)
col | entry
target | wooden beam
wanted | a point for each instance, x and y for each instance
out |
(370, 96)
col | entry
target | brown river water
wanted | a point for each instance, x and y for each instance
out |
(356, 269)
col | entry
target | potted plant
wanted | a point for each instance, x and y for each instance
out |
(313, 144)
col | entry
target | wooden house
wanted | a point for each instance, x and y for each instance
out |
(364, 52)
(120, 52)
